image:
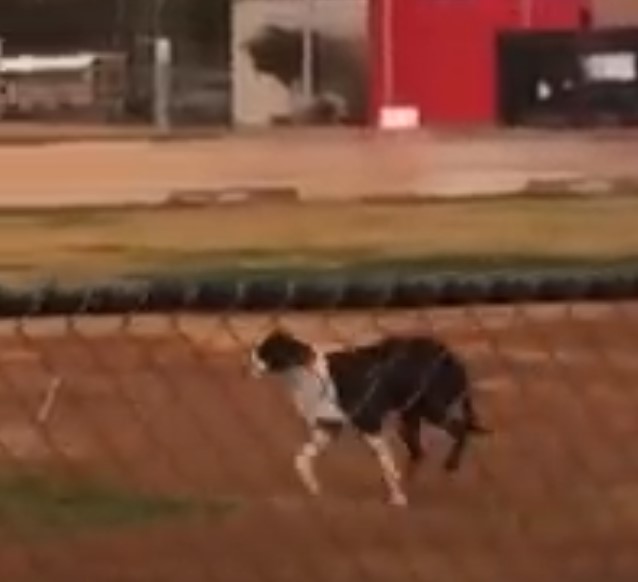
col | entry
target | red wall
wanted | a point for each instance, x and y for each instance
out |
(443, 56)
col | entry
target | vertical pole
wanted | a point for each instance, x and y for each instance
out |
(3, 91)
(162, 64)
(162, 59)
(527, 13)
(387, 52)
(307, 54)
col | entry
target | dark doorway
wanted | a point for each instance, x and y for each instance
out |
(568, 78)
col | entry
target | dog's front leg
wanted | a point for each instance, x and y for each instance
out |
(389, 470)
(305, 459)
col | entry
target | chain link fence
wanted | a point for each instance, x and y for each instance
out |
(189, 63)
(95, 61)
(136, 445)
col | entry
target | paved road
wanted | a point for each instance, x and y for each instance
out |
(321, 164)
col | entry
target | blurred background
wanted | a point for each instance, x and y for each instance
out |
(348, 62)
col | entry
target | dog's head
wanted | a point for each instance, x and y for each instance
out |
(280, 351)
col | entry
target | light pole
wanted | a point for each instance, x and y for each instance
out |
(307, 54)
(162, 64)
(527, 13)
(3, 95)
(387, 52)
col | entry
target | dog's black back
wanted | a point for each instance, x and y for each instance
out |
(417, 377)
(409, 375)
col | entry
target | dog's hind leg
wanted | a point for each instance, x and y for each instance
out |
(460, 432)
(461, 429)
(306, 457)
(410, 434)
(389, 470)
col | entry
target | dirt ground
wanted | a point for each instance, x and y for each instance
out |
(167, 406)
(320, 164)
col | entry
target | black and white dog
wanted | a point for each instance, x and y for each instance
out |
(417, 378)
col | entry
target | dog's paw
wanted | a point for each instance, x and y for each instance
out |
(307, 476)
(398, 500)
(452, 465)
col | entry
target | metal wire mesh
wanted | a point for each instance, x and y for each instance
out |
(236, 62)
(135, 445)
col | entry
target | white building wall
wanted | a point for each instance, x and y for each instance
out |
(259, 97)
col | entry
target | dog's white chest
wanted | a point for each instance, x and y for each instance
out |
(314, 395)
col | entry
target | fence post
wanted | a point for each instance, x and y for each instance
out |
(308, 55)
(527, 13)
(387, 44)
(3, 96)
(162, 64)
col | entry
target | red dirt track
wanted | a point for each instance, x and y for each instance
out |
(551, 496)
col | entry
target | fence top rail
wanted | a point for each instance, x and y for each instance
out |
(321, 292)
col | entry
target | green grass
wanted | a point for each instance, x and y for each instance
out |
(81, 245)
(36, 503)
